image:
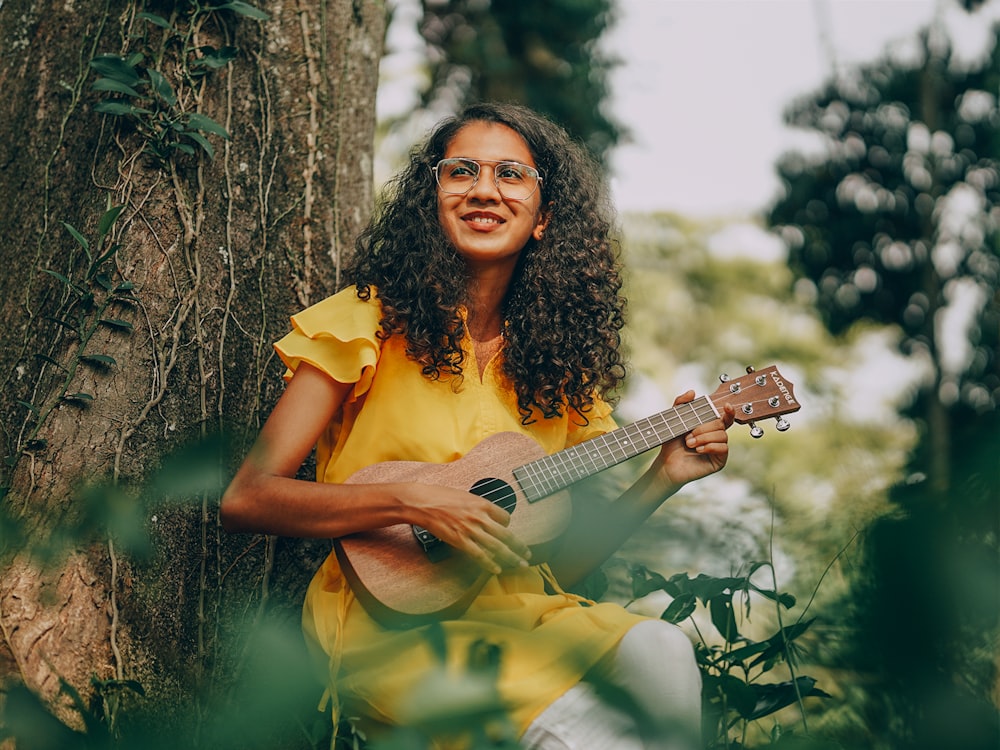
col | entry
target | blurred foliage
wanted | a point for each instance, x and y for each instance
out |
(712, 297)
(897, 218)
(271, 705)
(738, 670)
(897, 221)
(266, 698)
(543, 55)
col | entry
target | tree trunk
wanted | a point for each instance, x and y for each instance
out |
(109, 367)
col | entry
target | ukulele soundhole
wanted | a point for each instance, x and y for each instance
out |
(496, 491)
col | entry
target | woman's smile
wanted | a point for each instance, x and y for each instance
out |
(482, 220)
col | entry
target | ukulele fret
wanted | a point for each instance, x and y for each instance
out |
(546, 476)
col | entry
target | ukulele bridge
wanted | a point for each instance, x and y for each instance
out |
(434, 548)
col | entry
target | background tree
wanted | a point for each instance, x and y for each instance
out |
(543, 55)
(896, 222)
(177, 179)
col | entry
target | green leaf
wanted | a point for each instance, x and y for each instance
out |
(48, 359)
(108, 220)
(203, 142)
(739, 654)
(183, 147)
(244, 9)
(31, 407)
(114, 67)
(680, 608)
(100, 360)
(61, 278)
(154, 19)
(645, 581)
(125, 286)
(785, 600)
(776, 644)
(678, 584)
(723, 617)
(110, 84)
(80, 397)
(739, 695)
(215, 58)
(201, 122)
(162, 87)
(774, 697)
(121, 325)
(80, 293)
(709, 587)
(80, 239)
(119, 109)
(95, 267)
(63, 323)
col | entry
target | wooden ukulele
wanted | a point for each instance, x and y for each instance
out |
(404, 576)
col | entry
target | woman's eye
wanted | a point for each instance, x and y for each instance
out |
(462, 170)
(511, 172)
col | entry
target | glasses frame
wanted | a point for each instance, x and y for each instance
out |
(496, 180)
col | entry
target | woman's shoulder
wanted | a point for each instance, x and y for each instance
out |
(343, 313)
(338, 336)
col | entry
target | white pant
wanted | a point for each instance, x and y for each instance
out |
(652, 699)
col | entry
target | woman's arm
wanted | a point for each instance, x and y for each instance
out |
(598, 530)
(265, 497)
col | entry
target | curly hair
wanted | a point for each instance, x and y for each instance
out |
(564, 310)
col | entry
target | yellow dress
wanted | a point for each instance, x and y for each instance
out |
(547, 641)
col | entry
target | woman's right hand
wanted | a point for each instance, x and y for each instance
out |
(470, 524)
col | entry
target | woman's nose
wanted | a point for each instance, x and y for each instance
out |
(486, 187)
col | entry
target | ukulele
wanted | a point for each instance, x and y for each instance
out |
(404, 576)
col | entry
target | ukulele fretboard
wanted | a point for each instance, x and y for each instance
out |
(548, 475)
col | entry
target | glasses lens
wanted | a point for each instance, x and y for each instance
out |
(457, 175)
(514, 181)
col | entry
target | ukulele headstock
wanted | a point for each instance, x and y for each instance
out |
(760, 394)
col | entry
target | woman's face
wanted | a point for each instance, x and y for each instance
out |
(485, 227)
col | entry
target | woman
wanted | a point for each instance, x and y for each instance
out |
(485, 299)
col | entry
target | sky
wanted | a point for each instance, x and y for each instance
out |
(702, 84)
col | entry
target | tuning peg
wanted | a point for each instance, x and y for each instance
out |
(723, 378)
(755, 431)
(782, 424)
(749, 369)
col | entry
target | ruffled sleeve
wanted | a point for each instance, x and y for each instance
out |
(338, 337)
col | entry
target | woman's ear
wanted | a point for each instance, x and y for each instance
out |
(544, 214)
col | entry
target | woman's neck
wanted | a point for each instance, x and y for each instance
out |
(484, 325)
(485, 310)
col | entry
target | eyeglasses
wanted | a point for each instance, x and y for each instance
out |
(516, 182)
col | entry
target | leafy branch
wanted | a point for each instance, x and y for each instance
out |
(141, 94)
(144, 97)
(87, 310)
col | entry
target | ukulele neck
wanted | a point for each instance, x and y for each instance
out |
(541, 478)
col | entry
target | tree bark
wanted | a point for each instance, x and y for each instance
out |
(108, 368)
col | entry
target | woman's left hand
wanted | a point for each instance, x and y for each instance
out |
(697, 454)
